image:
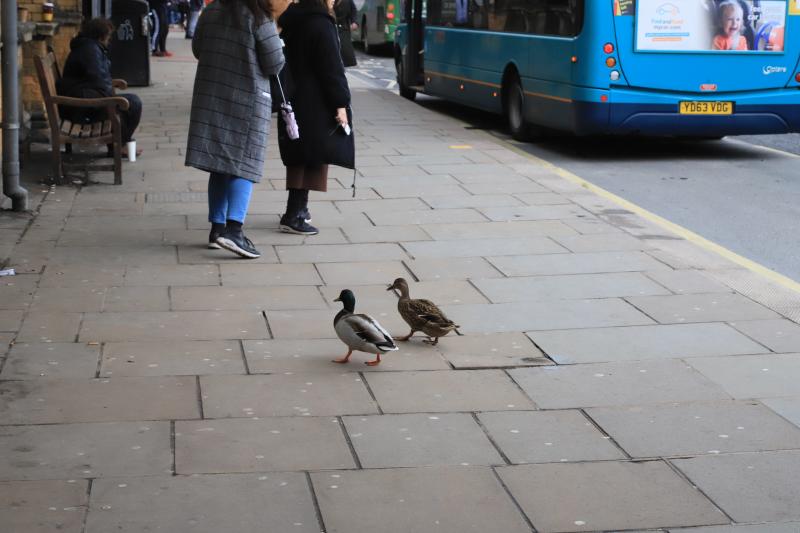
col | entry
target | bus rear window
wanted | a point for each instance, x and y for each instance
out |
(710, 26)
(540, 17)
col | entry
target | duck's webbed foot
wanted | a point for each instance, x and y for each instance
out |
(345, 359)
(376, 362)
(432, 341)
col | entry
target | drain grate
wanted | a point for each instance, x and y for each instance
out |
(175, 197)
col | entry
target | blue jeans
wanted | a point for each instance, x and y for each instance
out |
(228, 198)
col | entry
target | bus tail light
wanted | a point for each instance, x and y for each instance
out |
(797, 77)
(611, 62)
(390, 7)
(389, 16)
(614, 75)
(608, 48)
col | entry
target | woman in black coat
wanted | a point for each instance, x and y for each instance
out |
(346, 14)
(320, 96)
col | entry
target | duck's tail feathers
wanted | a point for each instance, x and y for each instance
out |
(386, 346)
(458, 332)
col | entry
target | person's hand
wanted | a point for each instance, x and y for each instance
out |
(341, 116)
(353, 26)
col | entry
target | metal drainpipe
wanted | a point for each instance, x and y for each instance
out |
(11, 187)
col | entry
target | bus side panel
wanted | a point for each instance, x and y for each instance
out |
(546, 81)
(462, 65)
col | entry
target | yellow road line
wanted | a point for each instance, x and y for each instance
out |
(687, 234)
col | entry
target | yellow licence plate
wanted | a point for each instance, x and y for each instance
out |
(706, 108)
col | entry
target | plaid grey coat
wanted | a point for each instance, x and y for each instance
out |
(231, 104)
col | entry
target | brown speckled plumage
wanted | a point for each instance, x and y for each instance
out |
(421, 315)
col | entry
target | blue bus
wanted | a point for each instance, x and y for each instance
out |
(694, 68)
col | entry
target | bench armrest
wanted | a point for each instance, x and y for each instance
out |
(111, 101)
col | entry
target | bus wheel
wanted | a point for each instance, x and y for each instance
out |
(405, 91)
(514, 104)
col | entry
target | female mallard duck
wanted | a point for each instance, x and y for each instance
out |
(422, 315)
(360, 332)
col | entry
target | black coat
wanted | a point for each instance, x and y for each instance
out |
(346, 14)
(319, 87)
(87, 74)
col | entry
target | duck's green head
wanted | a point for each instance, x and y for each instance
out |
(348, 300)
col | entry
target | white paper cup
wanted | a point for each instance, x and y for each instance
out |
(132, 151)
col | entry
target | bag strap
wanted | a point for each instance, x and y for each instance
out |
(280, 87)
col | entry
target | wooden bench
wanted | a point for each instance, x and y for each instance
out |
(66, 133)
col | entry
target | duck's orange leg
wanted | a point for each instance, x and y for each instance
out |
(376, 362)
(345, 359)
(404, 339)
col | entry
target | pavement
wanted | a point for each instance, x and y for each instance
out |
(611, 376)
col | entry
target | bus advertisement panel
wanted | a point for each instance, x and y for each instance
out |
(702, 26)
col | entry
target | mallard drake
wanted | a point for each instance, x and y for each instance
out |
(360, 332)
(421, 315)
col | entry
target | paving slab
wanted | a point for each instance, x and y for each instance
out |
(82, 276)
(59, 401)
(635, 343)
(749, 487)
(753, 376)
(51, 360)
(62, 451)
(508, 188)
(788, 527)
(539, 212)
(50, 327)
(388, 441)
(788, 408)
(199, 254)
(779, 335)
(696, 428)
(10, 320)
(246, 298)
(174, 275)
(577, 286)
(542, 198)
(248, 275)
(723, 307)
(441, 499)
(77, 299)
(18, 292)
(246, 503)
(548, 437)
(553, 314)
(485, 200)
(306, 394)
(340, 253)
(121, 299)
(114, 255)
(368, 273)
(577, 263)
(434, 269)
(274, 444)
(425, 216)
(182, 325)
(615, 384)
(391, 234)
(174, 358)
(606, 496)
(314, 355)
(687, 281)
(491, 350)
(437, 392)
(43, 506)
(611, 242)
(482, 247)
(370, 206)
(391, 190)
(497, 230)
